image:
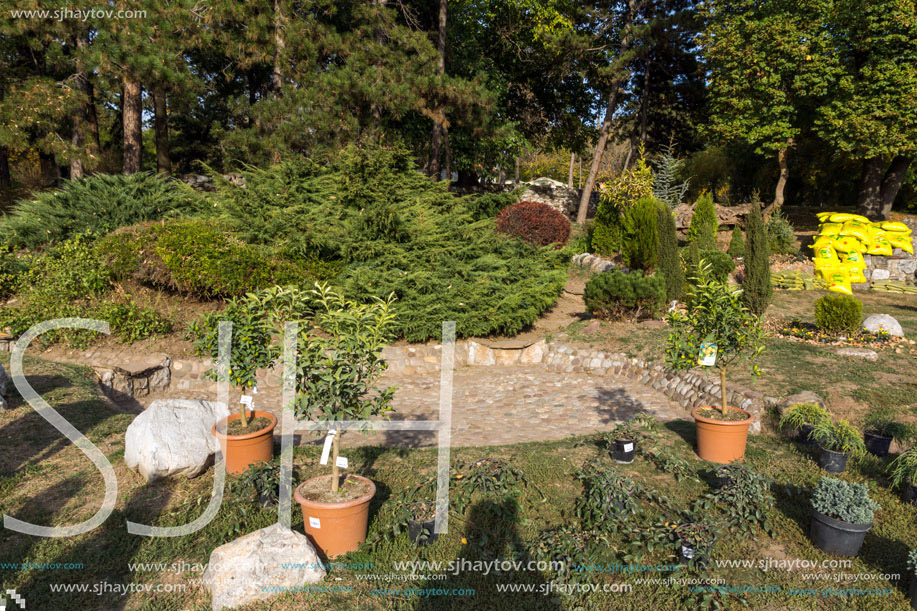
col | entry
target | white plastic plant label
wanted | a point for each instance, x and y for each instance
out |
(315, 523)
(327, 449)
(628, 447)
(687, 552)
(246, 400)
(254, 390)
(342, 462)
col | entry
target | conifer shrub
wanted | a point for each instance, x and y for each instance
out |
(781, 236)
(641, 245)
(615, 295)
(704, 224)
(736, 248)
(614, 201)
(669, 260)
(721, 264)
(756, 289)
(534, 222)
(95, 205)
(838, 313)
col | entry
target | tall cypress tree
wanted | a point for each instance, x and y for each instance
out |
(757, 286)
(669, 261)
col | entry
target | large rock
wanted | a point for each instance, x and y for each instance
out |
(252, 567)
(173, 436)
(806, 396)
(859, 353)
(875, 322)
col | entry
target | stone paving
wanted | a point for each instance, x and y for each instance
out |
(498, 405)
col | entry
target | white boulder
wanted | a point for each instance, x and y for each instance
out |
(173, 436)
(261, 565)
(875, 322)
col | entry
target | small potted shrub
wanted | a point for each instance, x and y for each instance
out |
(726, 475)
(903, 471)
(802, 418)
(842, 514)
(881, 428)
(695, 542)
(716, 317)
(624, 440)
(337, 367)
(421, 523)
(839, 441)
(912, 568)
(247, 436)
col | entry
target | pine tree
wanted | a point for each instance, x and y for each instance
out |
(736, 244)
(669, 261)
(666, 186)
(704, 224)
(757, 288)
(641, 242)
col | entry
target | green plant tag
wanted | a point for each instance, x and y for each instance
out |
(707, 355)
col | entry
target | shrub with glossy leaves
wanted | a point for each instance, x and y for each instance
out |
(534, 222)
(721, 264)
(838, 313)
(615, 295)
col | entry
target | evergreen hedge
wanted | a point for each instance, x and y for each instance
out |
(615, 295)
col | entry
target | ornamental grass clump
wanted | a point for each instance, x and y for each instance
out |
(840, 437)
(717, 317)
(803, 414)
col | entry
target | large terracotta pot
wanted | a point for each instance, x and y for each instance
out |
(336, 528)
(721, 441)
(240, 451)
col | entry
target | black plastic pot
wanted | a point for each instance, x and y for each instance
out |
(913, 591)
(910, 494)
(877, 444)
(804, 435)
(622, 451)
(416, 532)
(837, 537)
(832, 462)
(723, 478)
(688, 551)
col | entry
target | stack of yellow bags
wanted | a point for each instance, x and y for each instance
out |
(842, 241)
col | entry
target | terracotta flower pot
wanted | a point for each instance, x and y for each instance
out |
(721, 441)
(240, 451)
(336, 528)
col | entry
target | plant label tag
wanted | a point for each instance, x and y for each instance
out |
(342, 462)
(327, 449)
(707, 356)
(315, 523)
(687, 552)
(246, 400)
(254, 390)
(628, 447)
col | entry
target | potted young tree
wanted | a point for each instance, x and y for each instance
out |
(247, 436)
(881, 427)
(842, 514)
(695, 542)
(903, 471)
(802, 418)
(720, 327)
(338, 365)
(624, 440)
(839, 441)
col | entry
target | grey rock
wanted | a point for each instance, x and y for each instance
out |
(251, 568)
(875, 322)
(806, 396)
(860, 353)
(173, 437)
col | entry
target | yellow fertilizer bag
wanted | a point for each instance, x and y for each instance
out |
(830, 228)
(880, 246)
(825, 256)
(903, 242)
(821, 241)
(825, 270)
(895, 227)
(846, 243)
(854, 273)
(853, 259)
(843, 217)
(855, 229)
(839, 281)
(823, 216)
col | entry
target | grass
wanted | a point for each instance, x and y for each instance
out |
(46, 480)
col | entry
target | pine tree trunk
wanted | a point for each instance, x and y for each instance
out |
(448, 154)
(437, 135)
(133, 127)
(161, 119)
(644, 103)
(605, 131)
(92, 125)
(570, 173)
(50, 172)
(279, 47)
(869, 202)
(6, 181)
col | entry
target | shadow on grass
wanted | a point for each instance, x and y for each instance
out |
(492, 534)
(684, 429)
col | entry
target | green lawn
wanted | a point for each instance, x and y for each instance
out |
(47, 481)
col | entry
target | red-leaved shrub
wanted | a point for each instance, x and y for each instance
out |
(535, 223)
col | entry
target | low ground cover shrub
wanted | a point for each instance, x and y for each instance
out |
(534, 222)
(615, 295)
(838, 313)
(98, 205)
